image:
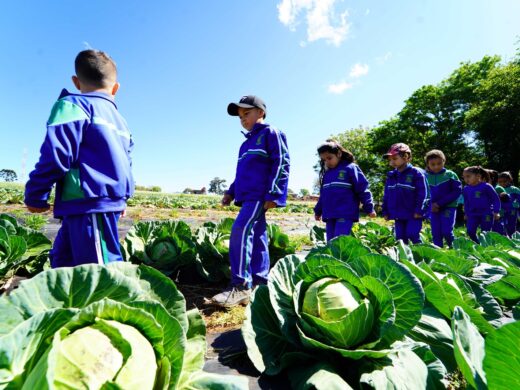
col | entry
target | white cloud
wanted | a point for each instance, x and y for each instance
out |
(358, 70)
(339, 88)
(322, 20)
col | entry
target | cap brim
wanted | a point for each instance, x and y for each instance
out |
(232, 108)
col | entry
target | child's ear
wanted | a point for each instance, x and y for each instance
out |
(340, 153)
(115, 88)
(76, 82)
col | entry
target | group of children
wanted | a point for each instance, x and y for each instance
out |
(412, 194)
(87, 154)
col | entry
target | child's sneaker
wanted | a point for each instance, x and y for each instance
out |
(232, 296)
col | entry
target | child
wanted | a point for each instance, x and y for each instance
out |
(260, 184)
(86, 153)
(511, 207)
(445, 190)
(406, 194)
(481, 202)
(342, 187)
(498, 224)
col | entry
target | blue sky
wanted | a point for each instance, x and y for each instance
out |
(321, 66)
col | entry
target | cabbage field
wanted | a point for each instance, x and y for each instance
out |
(362, 311)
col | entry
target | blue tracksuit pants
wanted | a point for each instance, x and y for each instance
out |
(249, 246)
(498, 226)
(473, 222)
(86, 238)
(408, 230)
(442, 224)
(338, 227)
(510, 218)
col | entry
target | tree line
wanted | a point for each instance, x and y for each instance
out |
(473, 116)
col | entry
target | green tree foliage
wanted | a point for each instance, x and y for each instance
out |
(217, 186)
(8, 175)
(495, 117)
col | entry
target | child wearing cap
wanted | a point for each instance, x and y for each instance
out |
(445, 190)
(498, 224)
(260, 184)
(343, 186)
(406, 194)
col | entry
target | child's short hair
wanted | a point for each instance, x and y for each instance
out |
(95, 68)
(505, 175)
(493, 176)
(433, 154)
(478, 170)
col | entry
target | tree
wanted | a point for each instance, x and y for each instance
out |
(304, 192)
(8, 175)
(495, 117)
(217, 186)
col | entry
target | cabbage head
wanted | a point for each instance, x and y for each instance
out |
(342, 313)
(119, 326)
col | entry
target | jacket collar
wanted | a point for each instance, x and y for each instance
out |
(101, 95)
(255, 130)
(438, 173)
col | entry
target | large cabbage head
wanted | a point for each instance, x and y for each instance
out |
(338, 311)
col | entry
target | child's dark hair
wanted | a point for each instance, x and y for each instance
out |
(478, 170)
(433, 154)
(506, 175)
(333, 147)
(493, 177)
(95, 68)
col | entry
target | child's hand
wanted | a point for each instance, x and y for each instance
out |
(417, 216)
(38, 209)
(496, 216)
(269, 204)
(372, 214)
(385, 217)
(123, 213)
(226, 200)
(317, 217)
(435, 208)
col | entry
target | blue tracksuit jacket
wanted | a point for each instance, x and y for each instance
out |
(343, 188)
(405, 193)
(481, 199)
(263, 167)
(86, 152)
(445, 188)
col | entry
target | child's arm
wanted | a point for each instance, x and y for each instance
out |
(384, 206)
(453, 194)
(318, 210)
(421, 194)
(495, 200)
(229, 195)
(59, 151)
(279, 173)
(360, 185)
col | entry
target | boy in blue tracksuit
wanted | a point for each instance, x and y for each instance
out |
(510, 206)
(343, 186)
(405, 196)
(445, 190)
(86, 153)
(481, 201)
(260, 184)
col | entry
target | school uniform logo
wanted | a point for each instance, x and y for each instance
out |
(409, 179)
(260, 139)
(477, 194)
(341, 175)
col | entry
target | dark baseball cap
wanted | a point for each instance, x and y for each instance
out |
(249, 101)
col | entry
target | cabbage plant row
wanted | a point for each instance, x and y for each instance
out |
(347, 316)
(172, 248)
(22, 250)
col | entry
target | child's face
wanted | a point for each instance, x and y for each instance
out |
(503, 182)
(471, 179)
(398, 162)
(331, 160)
(435, 165)
(250, 116)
